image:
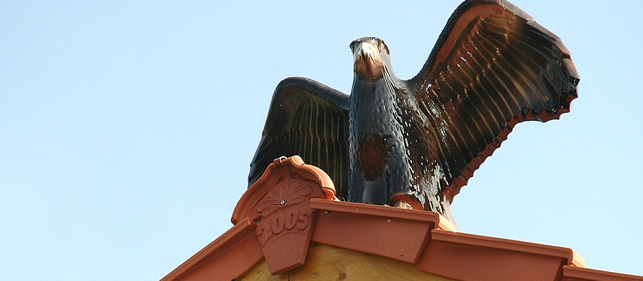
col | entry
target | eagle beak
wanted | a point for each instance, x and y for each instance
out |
(369, 64)
(365, 51)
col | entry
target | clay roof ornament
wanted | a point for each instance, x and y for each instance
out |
(414, 143)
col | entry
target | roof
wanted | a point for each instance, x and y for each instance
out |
(290, 224)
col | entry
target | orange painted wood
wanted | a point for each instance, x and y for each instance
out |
(474, 257)
(390, 232)
(572, 273)
(289, 226)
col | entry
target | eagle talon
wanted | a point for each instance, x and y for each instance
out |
(403, 205)
(405, 201)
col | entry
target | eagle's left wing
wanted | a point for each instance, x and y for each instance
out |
(492, 67)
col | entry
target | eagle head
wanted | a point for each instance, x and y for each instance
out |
(372, 58)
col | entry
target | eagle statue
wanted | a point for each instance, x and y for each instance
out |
(414, 143)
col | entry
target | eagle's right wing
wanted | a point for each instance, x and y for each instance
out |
(308, 119)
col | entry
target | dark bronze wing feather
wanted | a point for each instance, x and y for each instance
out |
(308, 119)
(492, 67)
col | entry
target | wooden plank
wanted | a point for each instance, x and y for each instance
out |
(325, 262)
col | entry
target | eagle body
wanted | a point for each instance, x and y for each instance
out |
(388, 161)
(414, 143)
(378, 149)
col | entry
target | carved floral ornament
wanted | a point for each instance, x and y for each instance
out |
(284, 194)
(279, 205)
(286, 182)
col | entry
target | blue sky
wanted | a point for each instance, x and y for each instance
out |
(126, 129)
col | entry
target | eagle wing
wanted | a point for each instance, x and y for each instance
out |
(308, 119)
(492, 67)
